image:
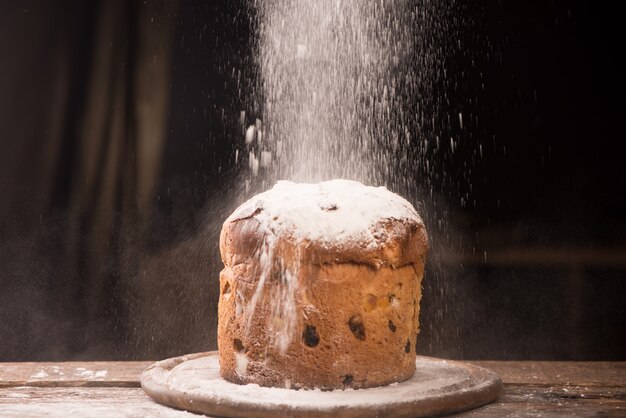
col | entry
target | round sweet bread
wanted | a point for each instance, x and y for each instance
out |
(321, 287)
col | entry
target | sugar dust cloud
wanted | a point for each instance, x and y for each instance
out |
(357, 90)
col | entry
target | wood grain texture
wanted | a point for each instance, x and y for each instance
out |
(581, 373)
(516, 401)
(532, 389)
(80, 402)
(73, 374)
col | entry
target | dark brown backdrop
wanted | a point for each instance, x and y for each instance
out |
(118, 125)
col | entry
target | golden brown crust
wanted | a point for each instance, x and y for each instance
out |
(404, 242)
(355, 303)
(356, 327)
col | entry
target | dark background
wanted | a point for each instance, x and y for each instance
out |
(530, 264)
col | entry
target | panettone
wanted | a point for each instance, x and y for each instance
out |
(321, 287)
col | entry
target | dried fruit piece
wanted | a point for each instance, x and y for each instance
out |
(394, 301)
(238, 345)
(383, 302)
(392, 326)
(310, 336)
(370, 302)
(356, 327)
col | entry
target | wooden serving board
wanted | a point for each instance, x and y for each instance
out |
(193, 383)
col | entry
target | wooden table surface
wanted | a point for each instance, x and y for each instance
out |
(112, 389)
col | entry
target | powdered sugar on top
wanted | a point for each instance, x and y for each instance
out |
(327, 213)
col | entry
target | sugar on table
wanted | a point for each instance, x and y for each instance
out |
(531, 388)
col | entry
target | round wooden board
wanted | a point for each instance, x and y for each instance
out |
(193, 383)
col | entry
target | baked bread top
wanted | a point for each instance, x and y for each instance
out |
(336, 221)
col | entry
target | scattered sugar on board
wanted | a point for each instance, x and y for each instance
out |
(82, 372)
(241, 362)
(17, 395)
(200, 378)
(95, 408)
(39, 374)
